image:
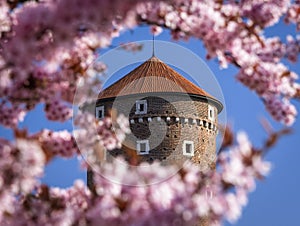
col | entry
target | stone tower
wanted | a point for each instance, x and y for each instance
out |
(171, 119)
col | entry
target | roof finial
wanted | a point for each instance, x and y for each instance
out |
(153, 47)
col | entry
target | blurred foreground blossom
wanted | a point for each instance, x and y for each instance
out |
(47, 51)
(130, 195)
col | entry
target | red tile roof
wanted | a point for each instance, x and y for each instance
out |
(154, 76)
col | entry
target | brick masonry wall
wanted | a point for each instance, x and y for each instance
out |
(181, 118)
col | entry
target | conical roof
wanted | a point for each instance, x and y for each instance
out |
(154, 76)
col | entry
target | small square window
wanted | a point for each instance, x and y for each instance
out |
(211, 113)
(188, 148)
(141, 107)
(100, 112)
(142, 147)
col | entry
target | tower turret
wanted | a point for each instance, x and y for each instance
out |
(171, 119)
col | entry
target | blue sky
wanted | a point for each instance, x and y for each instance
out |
(276, 200)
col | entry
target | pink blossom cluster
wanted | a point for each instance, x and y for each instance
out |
(10, 115)
(126, 195)
(292, 48)
(293, 14)
(269, 78)
(242, 164)
(47, 50)
(56, 110)
(156, 30)
(104, 132)
(233, 32)
(21, 163)
(271, 81)
(278, 108)
(269, 49)
(51, 206)
(264, 13)
(57, 143)
(5, 22)
(109, 136)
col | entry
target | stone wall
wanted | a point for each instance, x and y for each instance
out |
(169, 121)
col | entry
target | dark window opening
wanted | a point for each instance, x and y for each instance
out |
(142, 147)
(188, 148)
(100, 114)
(141, 107)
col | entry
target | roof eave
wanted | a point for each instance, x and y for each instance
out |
(210, 100)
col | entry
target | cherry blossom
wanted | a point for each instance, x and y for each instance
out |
(226, 34)
(21, 164)
(293, 15)
(105, 132)
(5, 22)
(156, 30)
(185, 197)
(57, 143)
(47, 51)
(61, 46)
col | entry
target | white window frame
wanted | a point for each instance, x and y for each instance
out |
(100, 108)
(138, 147)
(184, 145)
(211, 113)
(137, 105)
